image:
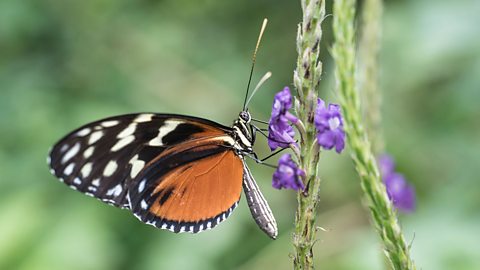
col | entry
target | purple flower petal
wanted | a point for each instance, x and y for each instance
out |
(329, 125)
(280, 135)
(280, 131)
(326, 139)
(288, 175)
(386, 164)
(290, 117)
(282, 102)
(339, 141)
(400, 192)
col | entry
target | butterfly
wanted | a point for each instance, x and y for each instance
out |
(175, 172)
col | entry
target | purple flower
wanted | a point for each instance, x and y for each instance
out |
(280, 132)
(386, 164)
(399, 190)
(329, 124)
(288, 175)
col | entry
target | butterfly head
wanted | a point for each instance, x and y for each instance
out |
(245, 117)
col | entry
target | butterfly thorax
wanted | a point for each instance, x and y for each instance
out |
(242, 134)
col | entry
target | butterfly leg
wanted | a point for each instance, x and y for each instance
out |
(260, 121)
(272, 154)
(259, 161)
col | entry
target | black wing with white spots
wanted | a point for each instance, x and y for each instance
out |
(100, 158)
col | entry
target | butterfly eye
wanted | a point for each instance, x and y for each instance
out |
(245, 116)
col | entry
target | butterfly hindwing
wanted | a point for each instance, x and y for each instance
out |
(191, 187)
(101, 157)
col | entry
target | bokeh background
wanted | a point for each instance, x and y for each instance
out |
(66, 63)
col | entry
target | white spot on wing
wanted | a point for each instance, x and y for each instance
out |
(84, 132)
(86, 170)
(115, 191)
(92, 189)
(127, 131)
(137, 166)
(96, 182)
(64, 148)
(110, 168)
(77, 181)
(88, 153)
(143, 118)
(141, 186)
(95, 136)
(69, 169)
(151, 222)
(143, 204)
(166, 128)
(110, 123)
(70, 153)
(122, 142)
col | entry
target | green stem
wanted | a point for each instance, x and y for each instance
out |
(381, 209)
(306, 80)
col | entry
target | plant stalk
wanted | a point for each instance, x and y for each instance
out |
(306, 80)
(383, 215)
(368, 72)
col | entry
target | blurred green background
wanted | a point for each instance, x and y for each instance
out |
(66, 63)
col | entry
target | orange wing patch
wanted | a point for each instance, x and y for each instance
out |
(200, 190)
(208, 131)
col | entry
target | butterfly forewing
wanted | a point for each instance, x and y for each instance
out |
(100, 158)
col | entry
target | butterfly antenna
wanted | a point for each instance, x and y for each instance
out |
(259, 84)
(254, 58)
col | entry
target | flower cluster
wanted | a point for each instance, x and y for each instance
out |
(288, 175)
(399, 190)
(328, 123)
(280, 132)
